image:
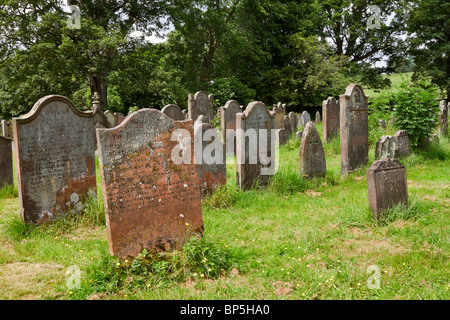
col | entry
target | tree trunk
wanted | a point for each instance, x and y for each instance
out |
(97, 84)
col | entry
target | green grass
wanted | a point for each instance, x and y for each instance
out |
(295, 239)
(395, 78)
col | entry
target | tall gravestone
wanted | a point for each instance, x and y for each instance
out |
(6, 163)
(330, 119)
(55, 159)
(201, 104)
(387, 185)
(293, 119)
(312, 157)
(285, 133)
(209, 157)
(228, 125)
(354, 126)
(256, 143)
(173, 112)
(443, 118)
(150, 184)
(305, 118)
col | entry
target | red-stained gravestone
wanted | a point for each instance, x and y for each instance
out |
(55, 159)
(150, 184)
(173, 112)
(6, 163)
(312, 157)
(330, 119)
(228, 125)
(354, 126)
(387, 185)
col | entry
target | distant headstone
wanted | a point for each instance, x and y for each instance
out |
(120, 117)
(306, 118)
(402, 139)
(443, 118)
(209, 157)
(256, 144)
(280, 112)
(382, 124)
(330, 121)
(354, 127)
(312, 157)
(112, 120)
(318, 120)
(201, 104)
(386, 147)
(6, 163)
(293, 119)
(228, 125)
(173, 112)
(286, 132)
(55, 159)
(299, 135)
(387, 185)
(150, 184)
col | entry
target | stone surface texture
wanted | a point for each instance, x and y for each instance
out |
(312, 157)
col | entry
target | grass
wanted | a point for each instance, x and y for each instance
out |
(395, 78)
(295, 239)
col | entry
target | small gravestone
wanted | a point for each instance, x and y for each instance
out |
(6, 163)
(55, 159)
(386, 185)
(228, 125)
(293, 119)
(112, 120)
(256, 142)
(312, 157)
(354, 127)
(299, 135)
(402, 139)
(150, 184)
(386, 147)
(173, 112)
(306, 118)
(280, 112)
(318, 120)
(286, 132)
(209, 157)
(330, 121)
(201, 104)
(382, 124)
(443, 118)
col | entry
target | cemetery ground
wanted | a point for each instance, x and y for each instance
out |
(294, 239)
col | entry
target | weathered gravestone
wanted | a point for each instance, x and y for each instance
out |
(5, 129)
(150, 184)
(280, 112)
(318, 119)
(293, 119)
(209, 157)
(330, 121)
(299, 135)
(386, 147)
(6, 164)
(443, 118)
(285, 133)
(201, 104)
(402, 139)
(256, 140)
(173, 112)
(55, 159)
(354, 125)
(120, 117)
(111, 118)
(305, 119)
(387, 185)
(228, 125)
(312, 157)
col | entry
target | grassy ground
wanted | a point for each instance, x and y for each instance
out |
(292, 240)
(395, 78)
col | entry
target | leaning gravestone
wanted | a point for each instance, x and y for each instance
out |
(150, 184)
(209, 157)
(293, 119)
(228, 125)
(55, 159)
(443, 118)
(330, 120)
(285, 133)
(387, 185)
(201, 104)
(312, 157)
(256, 145)
(306, 118)
(6, 163)
(386, 147)
(354, 125)
(173, 112)
(318, 120)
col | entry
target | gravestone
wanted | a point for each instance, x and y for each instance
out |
(312, 157)
(443, 118)
(173, 112)
(305, 118)
(386, 147)
(382, 124)
(5, 129)
(209, 157)
(280, 112)
(55, 159)
(6, 163)
(286, 132)
(354, 127)
(330, 121)
(201, 104)
(151, 193)
(255, 145)
(111, 118)
(318, 119)
(228, 125)
(299, 135)
(120, 117)
(293, 119)
(387, 185)
(402, 139)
